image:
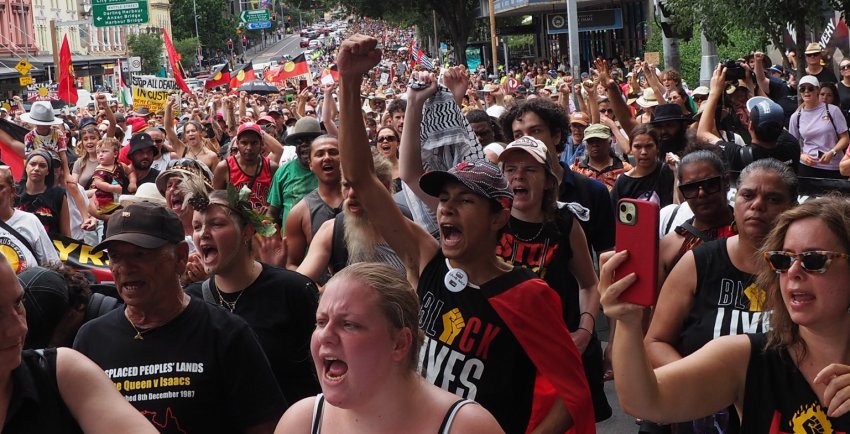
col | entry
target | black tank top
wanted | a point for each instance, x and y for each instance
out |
(36, 406)
(726, 302)
(778, 399)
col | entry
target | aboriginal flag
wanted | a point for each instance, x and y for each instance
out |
(219, 77)
(293, 68)
(241, 75)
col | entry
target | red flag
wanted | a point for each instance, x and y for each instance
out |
(172, 60)
(293, 68)
(67, 87)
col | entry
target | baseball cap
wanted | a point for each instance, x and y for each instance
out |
(810, 80)
(580, 118)
(141, 141)
(528, 144)
(778, 68)
(145, 225)
(766, 116)
(249, 127)
(482, 177)
(266, 118)
(701, 90)
(597, 131)
(46, 301)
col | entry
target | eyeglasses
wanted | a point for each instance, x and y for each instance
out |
(812, 54)
(609, 111)
(816, 261)
(709, 186)
(386, 139)
(843, 67)
(807, 88)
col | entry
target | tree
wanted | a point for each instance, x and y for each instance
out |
(148, 46)
(188, 49)
(766, 19)
(455, 16)
(215, 26)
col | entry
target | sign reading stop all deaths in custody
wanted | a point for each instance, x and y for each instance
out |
(152, 92)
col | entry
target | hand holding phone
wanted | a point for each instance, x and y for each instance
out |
(636, 231)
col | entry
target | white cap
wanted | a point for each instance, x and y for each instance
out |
(496, 111)
(809, 79)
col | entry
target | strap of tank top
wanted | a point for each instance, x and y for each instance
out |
(446, 426)
(318, 408)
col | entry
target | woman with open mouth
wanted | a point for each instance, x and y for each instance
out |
(484, 321)
(712, 292)
(789, 379)
(387, 141)
(278, 304)
(365, 348)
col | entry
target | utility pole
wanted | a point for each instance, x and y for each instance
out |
(24, 27)
(494, 40)
(55, 47)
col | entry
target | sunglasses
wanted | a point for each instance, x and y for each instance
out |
(609, 111)
(807, 88)
(386, 139)
(843, 67)
(159, 141)
(812, 54)
(709, 186)
(310, 112)
(816, 261)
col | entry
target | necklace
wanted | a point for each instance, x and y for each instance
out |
(516, 234)
(230, 305)
(139, 332)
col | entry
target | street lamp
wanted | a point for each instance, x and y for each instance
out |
(197, 36)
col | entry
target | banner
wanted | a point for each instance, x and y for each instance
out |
(79, 256)
(43, 92)
(152, 92)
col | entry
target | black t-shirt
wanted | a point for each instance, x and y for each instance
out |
(778, 398)
(203, 372)
(152, 174)
(47, 206)
(280, 306)
(844, 97)
(826, 75)
(787, 150)
(36, 405)
(593, 195)
(657, 187)
(777, 89)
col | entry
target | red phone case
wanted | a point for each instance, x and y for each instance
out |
(641, 240)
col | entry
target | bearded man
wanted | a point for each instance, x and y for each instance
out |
(350, 237)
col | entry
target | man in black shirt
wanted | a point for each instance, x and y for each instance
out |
(143, 152)
(769, 139)
(188, 366)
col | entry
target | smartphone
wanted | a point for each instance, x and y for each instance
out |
(637, 232)
(302, 84)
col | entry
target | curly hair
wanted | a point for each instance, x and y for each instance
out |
(553, 115)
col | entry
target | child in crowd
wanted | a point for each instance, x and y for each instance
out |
(110, 178)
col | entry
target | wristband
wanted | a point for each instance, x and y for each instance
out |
(582, 328)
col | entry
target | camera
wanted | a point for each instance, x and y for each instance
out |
(734, 71)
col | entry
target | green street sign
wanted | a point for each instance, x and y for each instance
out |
(255, 16)
(108, 13)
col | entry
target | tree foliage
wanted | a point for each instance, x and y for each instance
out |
(214, 24)
(455, 17)
(188, 49)
(767, 20)
(148, 46)
(737, 44)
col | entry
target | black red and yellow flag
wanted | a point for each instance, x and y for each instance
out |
(293, 68)
(219, 77)
(241, 75)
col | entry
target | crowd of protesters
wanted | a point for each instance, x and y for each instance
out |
(405, 249)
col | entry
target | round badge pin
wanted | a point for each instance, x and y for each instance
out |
(456, 280)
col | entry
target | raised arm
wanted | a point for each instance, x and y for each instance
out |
(412, 244)
(329, 110)
(707, 125)
(410, 150)
(701, 384)
(92, 398)
(107, 111)
(761, 79)
(615, 96)
(176, 144)
(654, 82)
